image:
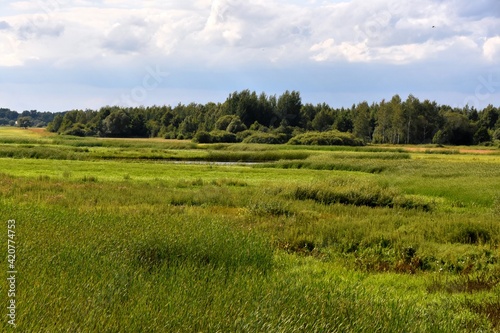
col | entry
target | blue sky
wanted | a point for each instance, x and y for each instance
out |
(58, 55)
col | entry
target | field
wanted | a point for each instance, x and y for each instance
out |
(171, 236)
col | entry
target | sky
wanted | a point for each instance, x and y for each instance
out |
(58, 55)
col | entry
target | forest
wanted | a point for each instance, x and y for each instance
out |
(249, 117)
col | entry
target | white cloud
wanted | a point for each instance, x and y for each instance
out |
(491, 48)
(32, 30)
(201, 37)
(4, 25)
(352, 52)
(362, 31)
(128, 37)
(9, 47)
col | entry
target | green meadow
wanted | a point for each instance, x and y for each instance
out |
(117, 235)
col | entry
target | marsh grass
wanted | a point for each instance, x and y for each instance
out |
(255, 156)
(41, 152)
(367, 162)
(442, 151)
(496, 206)
(135, 245)
(177, 272)
(89, 179)
(490, 308)
(465, 283)
(358, 194)
(328, 166)
(229, 182)
(205, 243)
(271, 207)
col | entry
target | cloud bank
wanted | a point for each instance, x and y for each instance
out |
(339, 52)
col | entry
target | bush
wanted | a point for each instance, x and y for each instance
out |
(202, 137)
(223, 122)
(243, 135)
(216, 136)
(331, 138)
(496, 135)
(222, 137)
(76, 130)
(236, 126)
(266, 138)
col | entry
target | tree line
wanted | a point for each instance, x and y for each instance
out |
(26, 118)
(251, 117)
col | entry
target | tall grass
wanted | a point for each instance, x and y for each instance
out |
(135, 245)
(114, 272)
(346, 161)
(364, 194)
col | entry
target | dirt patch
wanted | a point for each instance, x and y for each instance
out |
(478, 151)
(459, 150)
(40, 131)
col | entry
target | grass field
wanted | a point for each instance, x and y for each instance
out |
(169, 236)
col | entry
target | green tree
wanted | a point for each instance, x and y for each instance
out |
(496, 134)
(138, 126)
(236, 125)
(24, 122)
(167, 117)
(323, 121)
(153, 128)
(54, 125)
(78, 129)
(361, 121)
(188, 127)
(383, 126)
(343, 121)
(411, 111)
(288, 108)
(489, 117)
(481, 135)
(398, 120)
(428, 121)
(224, 121)
(117, 124)
(307, 113)
(457, 130)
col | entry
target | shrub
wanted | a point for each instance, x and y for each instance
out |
(496, 134)
(76, 130)
(236, 126)
(330, 138)
(218, 136)
(243, 135)
(266, 138)
(202, 137)
(223, 122)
